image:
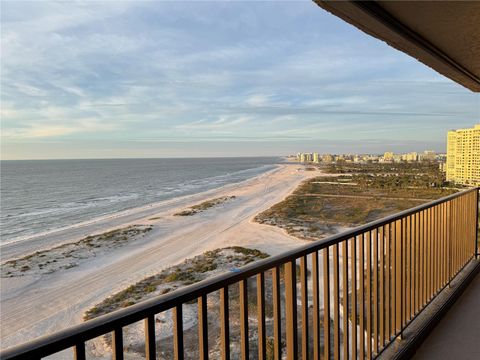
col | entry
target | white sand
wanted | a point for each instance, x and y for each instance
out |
(36, 305)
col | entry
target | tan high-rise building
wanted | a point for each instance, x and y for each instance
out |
(463, 156)
(388, 156)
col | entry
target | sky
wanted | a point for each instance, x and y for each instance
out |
(121, 79)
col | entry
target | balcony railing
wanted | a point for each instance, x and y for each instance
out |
(347, 296)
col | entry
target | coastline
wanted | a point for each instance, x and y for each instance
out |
(37, 304)
(48, 239)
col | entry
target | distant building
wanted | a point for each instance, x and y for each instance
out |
(442, 166)
(388, 156)
(327, 158)
(463, 156)
(410, 157)
(316, 158)
(428, 155)
(397, 158)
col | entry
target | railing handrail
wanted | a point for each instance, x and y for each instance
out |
(64, 339)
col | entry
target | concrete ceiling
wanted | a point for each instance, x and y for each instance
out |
(445, 35)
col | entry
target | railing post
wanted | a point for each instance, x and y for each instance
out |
(150, 351)
(291, 309)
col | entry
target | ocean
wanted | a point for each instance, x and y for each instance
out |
(44, 195)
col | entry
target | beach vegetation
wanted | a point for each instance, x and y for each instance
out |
(324, 205)
(60, 257)
(204, 206)
(188, 272)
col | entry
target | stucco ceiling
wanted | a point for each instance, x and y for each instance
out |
(445, 35)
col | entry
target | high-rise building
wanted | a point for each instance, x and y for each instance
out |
(410, 157)
(428, 155)
(388, 156)
(327, 158)
(316, 158)
(463, 156)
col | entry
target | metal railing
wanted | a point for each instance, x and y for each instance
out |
(347, 296)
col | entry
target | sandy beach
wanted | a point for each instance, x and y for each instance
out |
(36, 304)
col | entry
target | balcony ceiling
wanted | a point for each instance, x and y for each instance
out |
(444, 35)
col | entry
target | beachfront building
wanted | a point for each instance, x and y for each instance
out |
(388, 156)
(428, 155)
(327, 158)
(410, 157)
(463, 156)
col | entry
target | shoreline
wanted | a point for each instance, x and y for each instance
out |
(37, 304)
(109, 222)
(125, 212)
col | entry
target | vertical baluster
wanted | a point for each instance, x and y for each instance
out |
(326, 302)
(353, 264)
(79, 351)
(374, 241)
(291, 309)
(431, 254)
(422, 257)
(412, 266)
(368, 295)
(203, 325)
(244, 318)
(457, 235)
(445, 244)
(434, 260)
(304, 299)
(435, 248)
(262, 348)
(336, 305)
(408, 285)
(467, 229)
(449, 249)
(393, 282)
(388, 274)
(345, 297)
(224, 324)
(117, 344)
(316, 306)
(428, 267)
(425, 257)
(150, 351)
(462, 238)
(477, 245)
(442, 243)
(361, 297)
(398, 275)
(381, 305)
(452, 238)
(417, 262)
(277, 319)
(462, 220)
(178, 332)
(462, 224)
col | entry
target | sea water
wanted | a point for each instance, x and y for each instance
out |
(43, 195)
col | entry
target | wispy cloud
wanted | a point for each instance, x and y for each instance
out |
(135, 72)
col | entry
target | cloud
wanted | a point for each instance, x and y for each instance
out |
(246, 72)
